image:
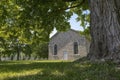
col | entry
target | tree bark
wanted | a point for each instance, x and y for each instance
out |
(18, 54)
(105, 29)
(18, 51)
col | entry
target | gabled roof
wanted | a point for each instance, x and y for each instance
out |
(65, 31)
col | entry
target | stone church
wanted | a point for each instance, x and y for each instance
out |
(68, 45)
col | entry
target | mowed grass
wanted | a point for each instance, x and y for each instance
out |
(58, 70)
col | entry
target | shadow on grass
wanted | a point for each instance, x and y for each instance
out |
(23, 66)
(31, 70)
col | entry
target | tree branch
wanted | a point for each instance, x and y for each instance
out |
(62, 9)
(68, 0)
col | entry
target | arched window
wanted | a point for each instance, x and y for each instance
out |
(75, 48)
(55, 49)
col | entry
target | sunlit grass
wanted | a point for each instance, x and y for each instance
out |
(58, 70)
(18, 74)
(58, 73)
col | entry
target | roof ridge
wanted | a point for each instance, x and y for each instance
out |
(65, 31)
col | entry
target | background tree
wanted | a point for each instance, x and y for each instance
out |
(29, 22)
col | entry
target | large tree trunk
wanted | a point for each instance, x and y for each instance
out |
(105, 29)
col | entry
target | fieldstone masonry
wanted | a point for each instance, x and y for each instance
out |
(65, 45)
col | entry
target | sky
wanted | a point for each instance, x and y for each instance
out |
(73, 23)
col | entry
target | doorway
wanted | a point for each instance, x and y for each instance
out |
(65, 55)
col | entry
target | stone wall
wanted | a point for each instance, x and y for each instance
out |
(65, 42)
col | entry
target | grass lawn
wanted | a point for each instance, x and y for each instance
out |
(58, 70)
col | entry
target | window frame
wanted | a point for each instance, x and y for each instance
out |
(55, 50)
(75, 47)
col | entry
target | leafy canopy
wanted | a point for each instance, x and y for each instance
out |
(29, 22)
(24, 18)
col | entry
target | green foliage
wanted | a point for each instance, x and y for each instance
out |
(22, 17)
(86, 33)
(31, 21)
(41, 50)
(58, 70)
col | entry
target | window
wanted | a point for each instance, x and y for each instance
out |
(75, 48)
(55, 49)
